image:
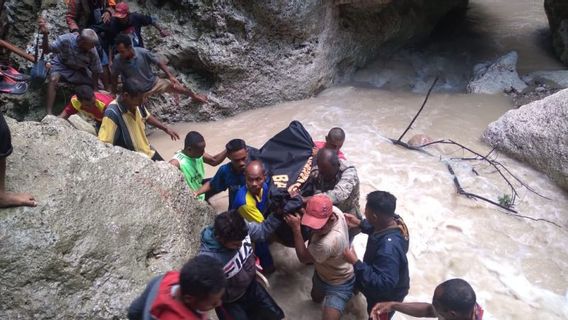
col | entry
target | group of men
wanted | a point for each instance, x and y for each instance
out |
(239, 241)
(105, 39)
(104, 45)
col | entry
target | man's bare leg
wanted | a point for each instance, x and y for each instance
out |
(12, 199)
(330, 314)
(186, 91)
(51, 92)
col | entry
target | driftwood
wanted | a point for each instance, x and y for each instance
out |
(503, 171)
(12, 48)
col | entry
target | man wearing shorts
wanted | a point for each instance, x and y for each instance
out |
(75, 60)
(134, 64)
(333, 278)
(9, 199)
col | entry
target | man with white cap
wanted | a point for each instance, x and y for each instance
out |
(333, 278)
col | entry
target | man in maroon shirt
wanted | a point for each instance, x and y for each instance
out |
(334, 140)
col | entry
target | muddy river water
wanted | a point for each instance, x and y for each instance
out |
(518, 267)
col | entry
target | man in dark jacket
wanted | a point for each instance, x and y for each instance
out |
(88, 13)
(184, 295)
(383, 273)
(229, 241)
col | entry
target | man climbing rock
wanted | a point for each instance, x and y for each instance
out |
(83, 14)
(75, 60)
(125, 120)
(89, 103)
(130, 23)
(383, 274)
(135, 65)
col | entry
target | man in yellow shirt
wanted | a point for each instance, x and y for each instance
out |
(125, 120)
(252, 203)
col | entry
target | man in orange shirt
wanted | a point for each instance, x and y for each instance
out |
(87, 102)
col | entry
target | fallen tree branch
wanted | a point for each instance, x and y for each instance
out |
(470, 195)
(419, 111)
(478, 157)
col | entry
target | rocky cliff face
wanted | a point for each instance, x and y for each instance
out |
(536, 134)
(557, 13)
(107, 221)
(249, 54)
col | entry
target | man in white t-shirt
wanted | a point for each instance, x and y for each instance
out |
(333, 278)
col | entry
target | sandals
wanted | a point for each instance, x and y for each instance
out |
(8, 85)
(12, 73)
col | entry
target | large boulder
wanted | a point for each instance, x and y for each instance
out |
(497, 76)
(108, 220)
(536, 134)
(557, 13)
(249, 54)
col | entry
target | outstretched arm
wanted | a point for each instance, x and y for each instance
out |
(206, 187)
(158, 124)
(45, 32)
(414, 309)
(216, 159)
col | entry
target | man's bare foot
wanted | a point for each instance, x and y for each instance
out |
(16, 199)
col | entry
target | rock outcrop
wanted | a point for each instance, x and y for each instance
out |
(249, 54)
(557, 13)
(536, 134)
(108, 219)
(497, 76)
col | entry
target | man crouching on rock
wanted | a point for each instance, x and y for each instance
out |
(125, 120)
(229, 241)
(184, 295)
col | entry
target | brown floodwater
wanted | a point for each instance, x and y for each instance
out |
(518, 267)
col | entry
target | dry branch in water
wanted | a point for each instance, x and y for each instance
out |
(498, 166)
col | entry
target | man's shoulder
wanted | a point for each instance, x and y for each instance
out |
(390, 242)
(112, 109)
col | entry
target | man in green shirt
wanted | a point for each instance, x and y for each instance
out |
(190, 161)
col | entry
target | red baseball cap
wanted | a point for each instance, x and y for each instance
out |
(318, 210)
(121, 10)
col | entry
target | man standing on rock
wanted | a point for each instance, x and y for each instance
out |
(231, 175)
(135, 65)
(334, 140)
(383, 273)
(190, 161)
(333, 278)
(229, 241)
(130, 23)
(184, 295)
(9, 199)
(76, 60)
(125, 120)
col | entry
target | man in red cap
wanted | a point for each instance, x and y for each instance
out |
(130, 23)
(333, 278)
